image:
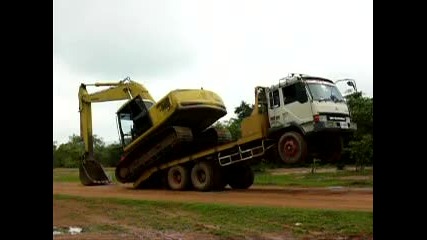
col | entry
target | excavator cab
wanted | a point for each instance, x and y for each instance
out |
(133, 119)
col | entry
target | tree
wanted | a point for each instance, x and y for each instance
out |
(360, 147)
(54, 150)
(361, 110)
(70, 153)
(233, 124)
(244, 110)
(112, 155)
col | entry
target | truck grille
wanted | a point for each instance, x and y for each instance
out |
(336, 116)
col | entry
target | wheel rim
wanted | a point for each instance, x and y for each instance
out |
(201, 176)
(290, 147)
(176, 177)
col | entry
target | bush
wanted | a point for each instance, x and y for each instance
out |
(362, 151)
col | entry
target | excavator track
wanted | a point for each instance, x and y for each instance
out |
(172, 143)
(211, 137)
(206, 139)
(169, 141)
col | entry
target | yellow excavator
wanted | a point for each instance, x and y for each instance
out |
(149, 130)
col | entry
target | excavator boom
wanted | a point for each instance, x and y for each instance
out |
(91, 171)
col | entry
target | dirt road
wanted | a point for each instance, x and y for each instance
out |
(321, 198)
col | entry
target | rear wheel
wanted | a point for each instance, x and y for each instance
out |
(292, 148)
(178, 178)
(221, 180)
(204, 177)
(241, 178)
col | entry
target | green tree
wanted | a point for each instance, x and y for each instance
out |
(69, 154)
(54, 150)
(243, 110)
(112, 155)
(361, 110)
(360, 148)
(233, 124)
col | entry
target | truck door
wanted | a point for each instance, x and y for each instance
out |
(296, 109)
(274, 104)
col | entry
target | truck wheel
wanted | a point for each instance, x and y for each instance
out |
(220, 180)
(243, 178)
(292, 148)
(178, 178)
(202, 176)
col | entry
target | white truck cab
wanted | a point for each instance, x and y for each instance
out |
(311, 116)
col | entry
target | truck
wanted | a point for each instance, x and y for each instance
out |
(299, 118)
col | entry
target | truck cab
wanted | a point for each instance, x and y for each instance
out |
(315, 113)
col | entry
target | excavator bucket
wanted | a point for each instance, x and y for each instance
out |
(91, 173)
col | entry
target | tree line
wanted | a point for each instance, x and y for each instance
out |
(359, 151)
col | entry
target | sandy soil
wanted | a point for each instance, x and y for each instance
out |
(337, 198)
(325, 198)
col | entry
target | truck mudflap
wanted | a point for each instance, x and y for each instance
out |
(91, 173)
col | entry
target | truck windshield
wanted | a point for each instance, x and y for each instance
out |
(325, 92)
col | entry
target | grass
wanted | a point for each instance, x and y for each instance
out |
(349, 178)
(72, 174)
(217, 219)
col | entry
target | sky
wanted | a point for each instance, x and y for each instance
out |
(228, 47)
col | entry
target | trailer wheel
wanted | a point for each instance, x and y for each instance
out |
(220, 180)
(178, 178)
(292, 148)
(203, 176)
(242, 178)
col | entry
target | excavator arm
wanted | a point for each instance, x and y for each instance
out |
(90, 170)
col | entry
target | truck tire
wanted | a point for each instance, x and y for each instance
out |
(203, 176)
(292, 148)
(220, 179)
(243, 178)
(178, 178)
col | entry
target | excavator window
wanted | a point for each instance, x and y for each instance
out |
(134, 120)
(126, 126)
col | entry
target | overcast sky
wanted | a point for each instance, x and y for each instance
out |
(228, 47)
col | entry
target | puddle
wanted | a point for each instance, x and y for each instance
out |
(74, 230)
(64, 230)
(336, 188)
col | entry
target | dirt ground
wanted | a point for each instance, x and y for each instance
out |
(324, 198)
